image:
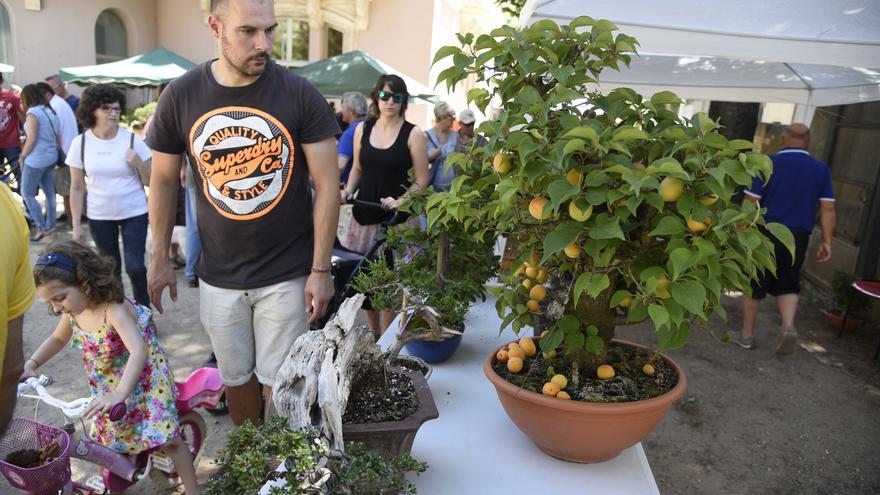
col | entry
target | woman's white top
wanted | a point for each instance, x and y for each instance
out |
(114, 187)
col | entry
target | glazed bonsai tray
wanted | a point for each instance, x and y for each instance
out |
(474, 439)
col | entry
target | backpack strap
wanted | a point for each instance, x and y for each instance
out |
(131, 142)
(82, 153)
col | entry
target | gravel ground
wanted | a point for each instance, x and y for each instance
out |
(750, 423)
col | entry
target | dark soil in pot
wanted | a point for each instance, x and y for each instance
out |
(378, 396)
(629, 383)
(410, 365)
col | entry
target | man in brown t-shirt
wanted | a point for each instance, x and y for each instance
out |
(254, 133)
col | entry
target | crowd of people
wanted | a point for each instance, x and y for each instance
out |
(265, 168)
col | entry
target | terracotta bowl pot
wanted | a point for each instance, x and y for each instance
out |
(583, 431)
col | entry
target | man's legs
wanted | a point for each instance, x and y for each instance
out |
(279, 318)
(788, 304)
(749, 315)
(227, 316)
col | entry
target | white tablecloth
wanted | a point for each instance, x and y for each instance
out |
(474, 448)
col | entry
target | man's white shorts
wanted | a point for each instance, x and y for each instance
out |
(252, 330)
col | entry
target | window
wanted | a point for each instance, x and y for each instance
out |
(5, 37)
(334, 42)
(111, 39)
(291, 42)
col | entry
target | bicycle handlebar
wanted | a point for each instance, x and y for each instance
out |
(73, 409)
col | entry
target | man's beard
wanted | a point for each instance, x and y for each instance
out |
(242, 67)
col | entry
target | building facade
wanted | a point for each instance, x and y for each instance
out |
(402, 33)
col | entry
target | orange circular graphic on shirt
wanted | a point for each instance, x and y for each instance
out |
(245, 159)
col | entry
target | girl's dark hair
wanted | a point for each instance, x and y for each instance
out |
(31, 96)
(94, 273)
(92, 99)
(396, 84)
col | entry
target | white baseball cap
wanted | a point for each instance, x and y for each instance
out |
(466, 117)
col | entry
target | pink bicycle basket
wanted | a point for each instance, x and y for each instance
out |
(26, 434)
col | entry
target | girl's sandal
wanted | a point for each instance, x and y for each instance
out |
(37, 236)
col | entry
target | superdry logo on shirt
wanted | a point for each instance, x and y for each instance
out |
(245, 159)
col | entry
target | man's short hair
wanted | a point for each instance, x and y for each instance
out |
(1, 78)
(356, 102)
(797, 131)
(217, 4)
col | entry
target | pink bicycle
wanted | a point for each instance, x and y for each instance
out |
(55, 446)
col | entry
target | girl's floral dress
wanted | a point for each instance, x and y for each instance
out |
(151, 415)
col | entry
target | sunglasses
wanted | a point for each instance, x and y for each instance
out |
(385, 96)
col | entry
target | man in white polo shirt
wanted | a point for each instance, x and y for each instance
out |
(799, 186)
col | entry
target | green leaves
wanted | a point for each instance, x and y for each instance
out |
(784, 236)
(636, 244)
(665, 98)
(669, 225)
(563, 235)
(690, 294)
(593, 283)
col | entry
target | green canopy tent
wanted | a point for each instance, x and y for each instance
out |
(148, 69)
(355, 71)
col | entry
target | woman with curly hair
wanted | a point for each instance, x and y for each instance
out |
(38, 158)
(121, 354)
(108, 162)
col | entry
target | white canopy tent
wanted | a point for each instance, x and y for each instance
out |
(6, 68)
(808, 52)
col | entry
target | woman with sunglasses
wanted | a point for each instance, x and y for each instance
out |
(108, 162)
(442, 141)
(387, 149)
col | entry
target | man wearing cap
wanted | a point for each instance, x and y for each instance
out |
(466, 132)
(799, 186)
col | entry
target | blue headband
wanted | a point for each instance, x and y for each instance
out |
(57, 260)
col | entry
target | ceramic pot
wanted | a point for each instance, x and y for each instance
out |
(834, 318)
(434, 352)
(583, 431)
(392, 438)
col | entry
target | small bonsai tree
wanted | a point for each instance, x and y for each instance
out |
(433, 282)
(624, 202)
(253, 453)
(846, 298)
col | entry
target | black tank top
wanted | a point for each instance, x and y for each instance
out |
(385, 172)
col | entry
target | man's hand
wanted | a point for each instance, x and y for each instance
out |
(823, 254)
(161, 275)
(319, 291)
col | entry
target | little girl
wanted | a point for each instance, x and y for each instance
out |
(121, 354)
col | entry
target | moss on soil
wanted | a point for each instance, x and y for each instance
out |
(629, 383)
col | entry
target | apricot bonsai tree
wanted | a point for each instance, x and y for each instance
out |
(624, 202)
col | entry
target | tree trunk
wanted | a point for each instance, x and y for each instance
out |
(312, 386)
(590, 311)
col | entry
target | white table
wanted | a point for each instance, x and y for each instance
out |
(474, 448)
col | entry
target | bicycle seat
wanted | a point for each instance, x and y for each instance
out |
(202, 387)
